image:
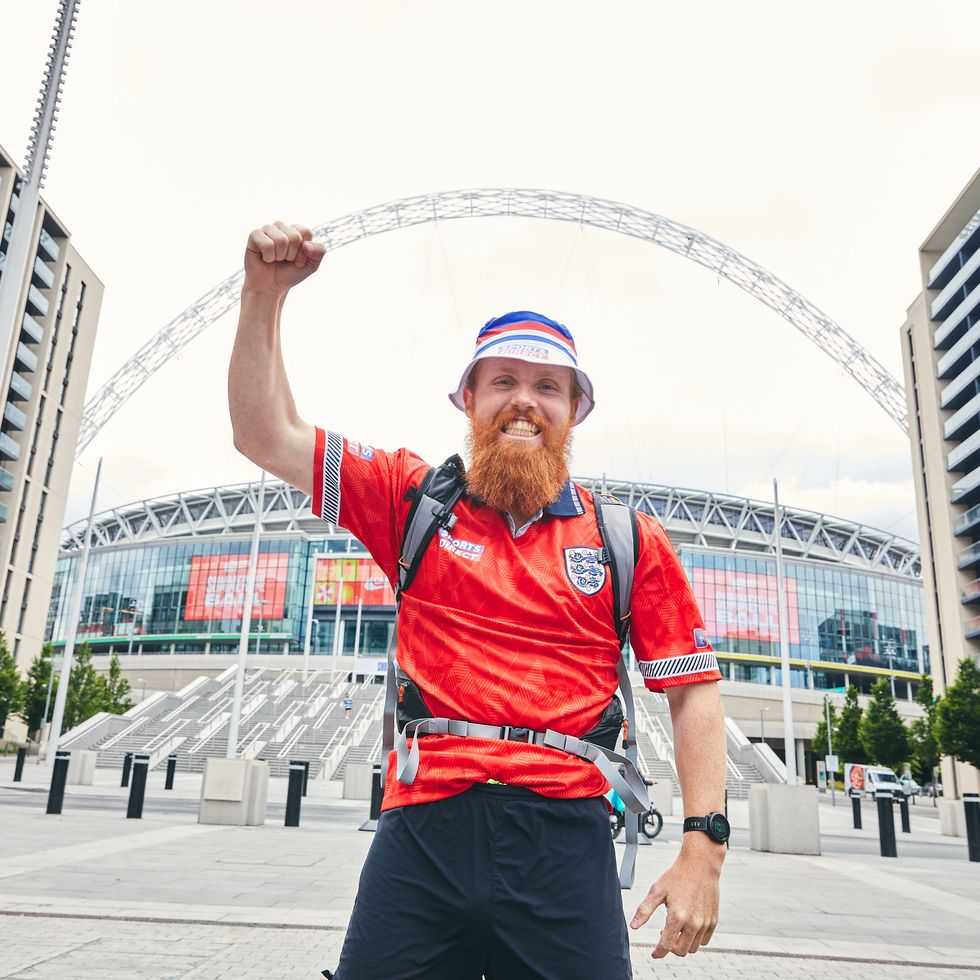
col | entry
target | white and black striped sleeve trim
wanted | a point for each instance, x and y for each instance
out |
(691, 663)
(333, 453)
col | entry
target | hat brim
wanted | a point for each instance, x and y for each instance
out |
(585, 404)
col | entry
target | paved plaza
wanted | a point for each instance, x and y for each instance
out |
(90, 894)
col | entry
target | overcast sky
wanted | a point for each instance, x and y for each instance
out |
(823, 142)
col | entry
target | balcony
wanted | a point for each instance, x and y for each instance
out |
(967, 521)
(972, 627)
(956, 358)
(965, 456)
(971, 592)
(20, 388)
(947, 266)
(967, 490)
(965, 422)
(26, 358)
(955, 324)
(969, 557)
(6, 480)
(3, 513)
(43, 276)
(30, 330)
(960, 390)
(37, 303)
(49, 246)
(967, 278)
(9, 449)
(14, 417)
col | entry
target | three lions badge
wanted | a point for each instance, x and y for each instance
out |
(584, 569)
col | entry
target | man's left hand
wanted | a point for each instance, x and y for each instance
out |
(689, 890)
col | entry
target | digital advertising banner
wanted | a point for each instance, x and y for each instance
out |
(353, 581)
(217, 587)
(744, 605)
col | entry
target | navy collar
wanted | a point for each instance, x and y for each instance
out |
(568, 504)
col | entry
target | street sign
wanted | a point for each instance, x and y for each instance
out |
(830, 761)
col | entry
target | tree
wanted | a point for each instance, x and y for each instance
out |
(117, 699)
(11, 686)
(925, 743)
(883, 733)
(847, 745)
(820, 747)
(958, 715)
(86, 690)
(39, 675)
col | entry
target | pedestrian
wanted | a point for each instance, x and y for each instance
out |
(496, 859)
(348, 706)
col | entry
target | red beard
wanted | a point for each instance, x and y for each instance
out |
(511, 477)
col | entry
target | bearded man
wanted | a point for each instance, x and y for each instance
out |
(496, 859)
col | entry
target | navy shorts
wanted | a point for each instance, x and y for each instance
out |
(497, 882)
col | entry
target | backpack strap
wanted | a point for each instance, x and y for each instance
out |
(620, 551)
(432, 504)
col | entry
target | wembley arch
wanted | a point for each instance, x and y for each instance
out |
(580, 209)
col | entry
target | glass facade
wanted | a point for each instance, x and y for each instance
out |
(845, 625)
(842, 623)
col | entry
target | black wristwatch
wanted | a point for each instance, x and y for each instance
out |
(715, 825)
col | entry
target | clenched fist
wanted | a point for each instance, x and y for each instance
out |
(278, 256)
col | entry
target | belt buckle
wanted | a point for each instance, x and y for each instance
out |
(513, 733)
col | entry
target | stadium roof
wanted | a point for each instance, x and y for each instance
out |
(691, 517)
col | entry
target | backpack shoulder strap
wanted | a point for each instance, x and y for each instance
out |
(432, 504)
(621, 549)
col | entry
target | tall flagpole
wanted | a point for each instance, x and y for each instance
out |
(253, 559)
(788, 739)
(74, 613)
(337, 625)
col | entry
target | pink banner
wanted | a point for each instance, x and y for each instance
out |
(744, 605)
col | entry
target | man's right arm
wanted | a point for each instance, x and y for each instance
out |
(265, 424)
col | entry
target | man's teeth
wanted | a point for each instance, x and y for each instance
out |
(521, 429)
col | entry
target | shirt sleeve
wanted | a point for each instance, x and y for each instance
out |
(362, 489)
(667, 634)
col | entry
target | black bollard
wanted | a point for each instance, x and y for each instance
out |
(377, 796)
(171, 769)
(886, 823)
(306, 775)
(294, 795)
(59, 776)
(903, 806)
(856, 809)
(141, 768)
(127, 765)
(19, 765)
(971, 806)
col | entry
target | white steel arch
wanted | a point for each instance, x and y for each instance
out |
(724, 261)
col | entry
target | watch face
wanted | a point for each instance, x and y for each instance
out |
(719, 827)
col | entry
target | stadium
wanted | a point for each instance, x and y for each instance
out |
(165, 586)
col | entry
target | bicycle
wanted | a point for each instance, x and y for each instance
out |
(651, 821)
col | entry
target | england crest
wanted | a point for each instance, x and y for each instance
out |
(585, 569)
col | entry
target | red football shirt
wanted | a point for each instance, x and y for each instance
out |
(506, 630)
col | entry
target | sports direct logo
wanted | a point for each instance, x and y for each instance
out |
(522, 349)
(459, 547)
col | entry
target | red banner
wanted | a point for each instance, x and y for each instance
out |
(217, 587)
(354, 580)
(744, 605)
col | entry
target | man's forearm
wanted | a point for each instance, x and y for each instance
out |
(699, 752)
(259, 397)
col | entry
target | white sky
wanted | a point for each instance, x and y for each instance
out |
(823, 142)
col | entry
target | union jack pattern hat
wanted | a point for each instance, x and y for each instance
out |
(533, 338)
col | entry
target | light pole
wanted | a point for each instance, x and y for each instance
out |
(762, 721)
(44, 720)
(140, 680)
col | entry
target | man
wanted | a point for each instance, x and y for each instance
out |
(496, 860)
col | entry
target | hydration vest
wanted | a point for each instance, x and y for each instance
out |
(432, 508)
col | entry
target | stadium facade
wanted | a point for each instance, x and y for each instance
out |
(43, 386)
(166, 580)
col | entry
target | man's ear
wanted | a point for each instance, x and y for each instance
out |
(574, 413)
(468, 400)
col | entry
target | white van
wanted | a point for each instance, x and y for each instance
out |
(881, 777)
